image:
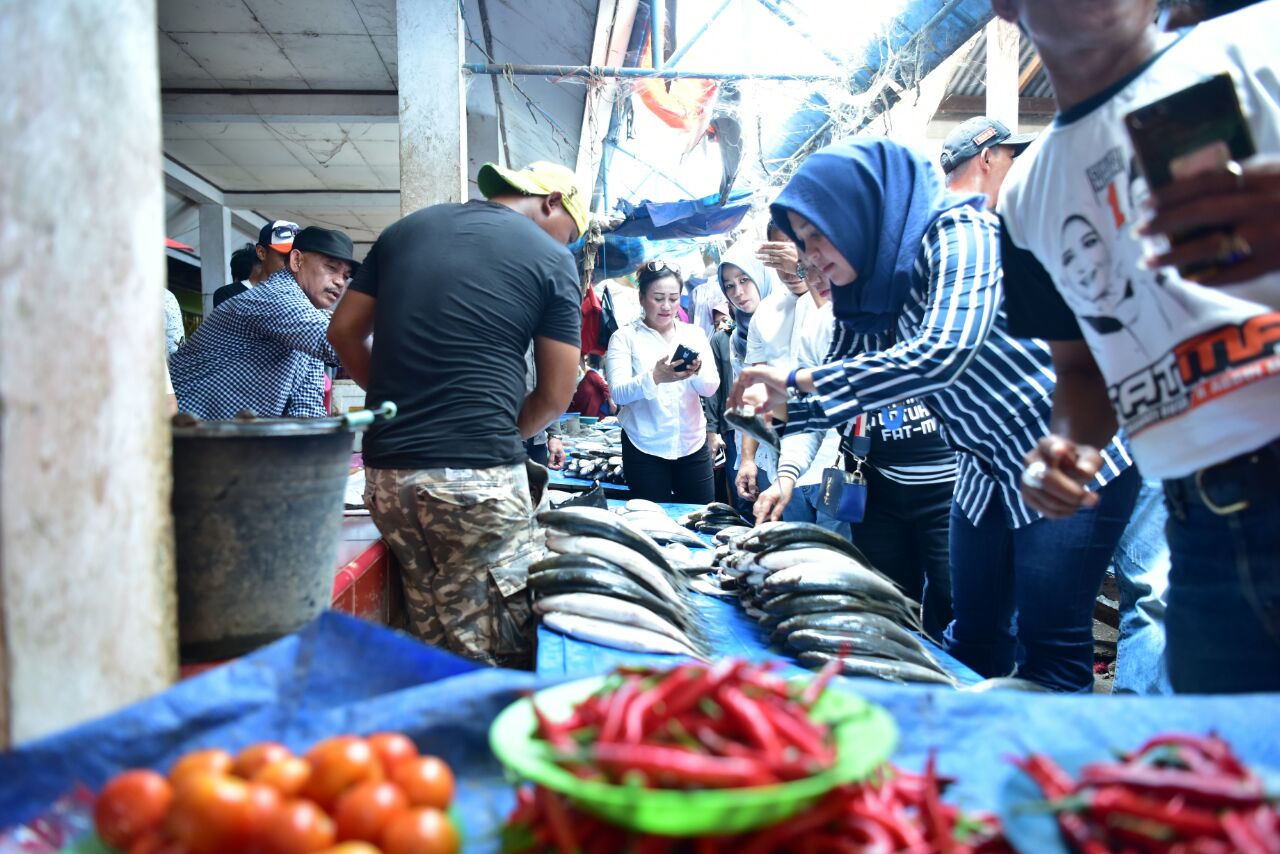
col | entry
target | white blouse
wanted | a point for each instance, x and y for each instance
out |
(662, 420)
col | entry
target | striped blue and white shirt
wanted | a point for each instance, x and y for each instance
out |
(263, 351)
(991, 392)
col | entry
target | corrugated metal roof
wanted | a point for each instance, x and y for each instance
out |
(970, 79)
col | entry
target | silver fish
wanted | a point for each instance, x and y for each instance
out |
(725, 535)
(859, 623)
(611, 610)
(643, 504)
(822, 577)
(596, 522)
(754, 426)
(784, 558)
(614, 635)
(662, 528)
(841, 643)
(880, 668)
(611, 582)
(659, 580)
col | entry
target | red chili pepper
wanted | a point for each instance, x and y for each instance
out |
(1110, 801)
(939, 828)
(673, 764)
(901, 833)
(687, 695)
(557, 735)
(1055, 783)
(616, 709)
(1244, 837)
(813, 691)
(1210, 746)
(772, 839)
(870, 834)
(1212, 791)
(800, 732)
(750, 716)
(557, 821)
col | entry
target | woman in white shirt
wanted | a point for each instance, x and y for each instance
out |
(664, 431)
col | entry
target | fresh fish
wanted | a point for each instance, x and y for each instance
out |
(864, 623)
(826, 578)
(720, 507)
(659, 580)
(617, 636)
(662, 528)
(880, 668)
(595, 522)
(754, 426)
(725, 535)
(791, 604)
(789, 534)
(783, 558)
(840, 643)
(1006, 683)
(643, 504)
(555, 560)
(612, 610)
(611, 582)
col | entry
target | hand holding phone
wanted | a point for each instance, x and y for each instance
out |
(685, 355)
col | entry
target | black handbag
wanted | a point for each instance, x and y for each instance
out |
(844, 492)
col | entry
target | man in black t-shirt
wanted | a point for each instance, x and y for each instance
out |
(453, 295)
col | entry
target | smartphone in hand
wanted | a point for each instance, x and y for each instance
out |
(1197, 129)
(686, 355)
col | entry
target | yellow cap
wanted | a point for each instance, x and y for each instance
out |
(537, 179)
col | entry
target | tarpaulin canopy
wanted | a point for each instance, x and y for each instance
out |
(689, 218)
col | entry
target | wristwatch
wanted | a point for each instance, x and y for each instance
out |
(802, 272)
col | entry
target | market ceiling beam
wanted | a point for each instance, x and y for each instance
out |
(181, 181)
(298, 200)
(249, 105)
(976, 105)
(662, 74)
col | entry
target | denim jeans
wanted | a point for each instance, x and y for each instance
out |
(1223, 619)
(805, 506)
(905, 535)
(1141, 565)
(1027, 594)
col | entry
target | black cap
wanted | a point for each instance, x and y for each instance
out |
(326, 241)
(976, 134)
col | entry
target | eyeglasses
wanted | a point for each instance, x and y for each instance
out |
(657, 265)
(284, 231)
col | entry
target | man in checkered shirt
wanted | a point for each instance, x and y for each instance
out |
(265, 351)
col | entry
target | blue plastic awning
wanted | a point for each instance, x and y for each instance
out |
(684, 219)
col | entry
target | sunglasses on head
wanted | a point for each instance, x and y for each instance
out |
(284, 231)
(659, 266)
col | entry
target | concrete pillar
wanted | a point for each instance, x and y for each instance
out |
(433, 104)
(1002, 72)
(215, 252)
(87, 607)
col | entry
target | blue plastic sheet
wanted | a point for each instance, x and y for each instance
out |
(689, 218)
(338, 675)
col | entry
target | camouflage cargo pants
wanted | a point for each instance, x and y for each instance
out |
(464, 539)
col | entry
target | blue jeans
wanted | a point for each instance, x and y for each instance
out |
(1224, 588)
(1034, 588)
(1141, 565)
(804, 506)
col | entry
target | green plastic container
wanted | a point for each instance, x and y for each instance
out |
(865, 736)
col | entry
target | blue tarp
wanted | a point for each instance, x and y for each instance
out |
(690, 218)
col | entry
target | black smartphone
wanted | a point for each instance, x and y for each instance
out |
(1197, 129)
(684, 354)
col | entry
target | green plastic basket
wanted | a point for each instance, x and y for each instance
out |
(865, 736)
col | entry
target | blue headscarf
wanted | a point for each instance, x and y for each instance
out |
(874, 199)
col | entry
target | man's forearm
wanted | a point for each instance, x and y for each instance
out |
(536, 413)
(749, 446)
(1081, 409)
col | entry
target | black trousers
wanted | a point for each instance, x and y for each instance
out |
(906, 535)
(537, 453)
(688, 480)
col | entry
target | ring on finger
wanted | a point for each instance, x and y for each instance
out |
(1233, 248)
(1236, 172)
(1033, 475)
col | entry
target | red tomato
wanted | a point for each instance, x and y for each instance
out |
(213, 761)
(130, 805)
(255, 757)
(156, 842)
(353, 848)
(337, 764)
(420, 831)
(427, 781)
(287, 776)
(364, 810)
(391, 748)
(211, 814)
(298, 827)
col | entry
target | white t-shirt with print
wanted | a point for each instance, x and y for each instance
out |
(1192, 372)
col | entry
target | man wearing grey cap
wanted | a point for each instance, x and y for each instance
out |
(977, 155)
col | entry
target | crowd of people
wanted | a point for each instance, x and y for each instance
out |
(1013, 366)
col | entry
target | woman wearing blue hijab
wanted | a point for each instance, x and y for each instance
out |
(917, 301)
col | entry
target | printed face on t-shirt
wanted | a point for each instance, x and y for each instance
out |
(1086, 265)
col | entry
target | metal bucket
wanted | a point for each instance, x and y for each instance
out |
(257, 509)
